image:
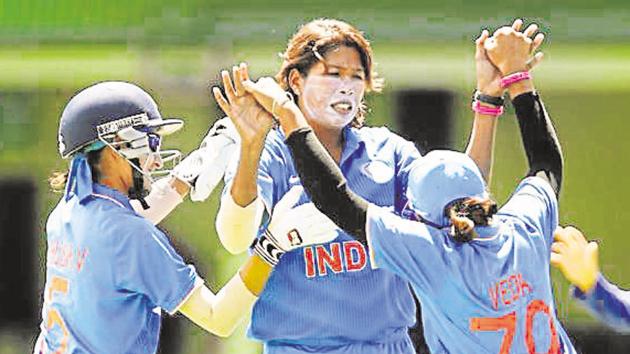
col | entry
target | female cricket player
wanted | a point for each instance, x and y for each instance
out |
(110, 271)
(482, 276)
(328, 298)
(577, 259)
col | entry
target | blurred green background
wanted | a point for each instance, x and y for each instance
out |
(50, 49)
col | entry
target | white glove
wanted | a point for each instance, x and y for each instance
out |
(292, 227)
(204, 168)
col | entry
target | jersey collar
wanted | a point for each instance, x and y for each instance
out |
(351, 142)
(104, 192)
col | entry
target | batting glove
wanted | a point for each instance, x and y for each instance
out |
(292, 227)
(204, 168)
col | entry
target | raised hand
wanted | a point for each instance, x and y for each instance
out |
(488, 76)
(275, 100)
(511, 50)
(576, 258)
(251, 120)
(270, 95)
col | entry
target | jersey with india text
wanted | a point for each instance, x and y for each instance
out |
(327, 298)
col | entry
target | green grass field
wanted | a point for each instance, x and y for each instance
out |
(586, 89)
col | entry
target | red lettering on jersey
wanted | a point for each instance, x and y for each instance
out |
(350, 249)
(494, 296)
(504, 291)
(81, 256)
(330, 260)
(309, 260)
(524, 285)
(509, 290)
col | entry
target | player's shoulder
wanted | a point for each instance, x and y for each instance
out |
(534, 187)
(374, 134)
(533, 203)
(120, 220)
(386, 220)
(275, 145)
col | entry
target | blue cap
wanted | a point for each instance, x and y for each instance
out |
(105, 108)
(438, 179)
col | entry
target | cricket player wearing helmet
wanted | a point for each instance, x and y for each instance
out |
(110, 271)
(481, 276)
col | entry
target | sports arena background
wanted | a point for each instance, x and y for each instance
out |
(50, 49)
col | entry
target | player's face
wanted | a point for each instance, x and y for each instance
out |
(332, 91)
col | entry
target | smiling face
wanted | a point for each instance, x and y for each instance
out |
(331, 93)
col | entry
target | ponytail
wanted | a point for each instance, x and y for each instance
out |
(467, 213)
(58, 180)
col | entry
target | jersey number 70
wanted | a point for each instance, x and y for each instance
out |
(508, 323)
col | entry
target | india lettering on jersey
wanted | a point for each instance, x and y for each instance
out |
(65, 255)
(338, 257)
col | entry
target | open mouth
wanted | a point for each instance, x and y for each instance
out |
(342, 107)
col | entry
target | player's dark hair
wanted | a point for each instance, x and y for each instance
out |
(58, 179)
(467, 213)
(323, 35)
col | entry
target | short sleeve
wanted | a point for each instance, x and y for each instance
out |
(404, 247)
(146, 263)
(534, 202)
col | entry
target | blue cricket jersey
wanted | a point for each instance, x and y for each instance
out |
(491, 295)
(608, 303)
(108, 274)
(327, 298)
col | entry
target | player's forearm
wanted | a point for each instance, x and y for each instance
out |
(481, 144)
(164, 197)
(325, 184)
(220, 314)
(607, 302)
(539, 138)
(236, 225)
(244, 185)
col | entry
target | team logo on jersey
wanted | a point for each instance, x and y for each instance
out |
(294, 238)
(378, 171)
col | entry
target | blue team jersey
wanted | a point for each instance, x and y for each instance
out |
(608, 303)
(491, 295)
(327, 298)
(109, 272)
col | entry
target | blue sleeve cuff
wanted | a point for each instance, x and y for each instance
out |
(596, 291)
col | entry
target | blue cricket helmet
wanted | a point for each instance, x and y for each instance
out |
(106, 108)
(440, 178)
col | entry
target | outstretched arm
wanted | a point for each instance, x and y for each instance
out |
(318, 172)
(325, 183)
(290, 227)
(221, 313)
(539, 137)
(241, 208)
(511, 51)
(480, 146)
(577, 259)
